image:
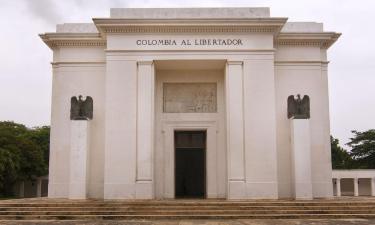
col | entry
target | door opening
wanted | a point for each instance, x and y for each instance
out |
(190, 164)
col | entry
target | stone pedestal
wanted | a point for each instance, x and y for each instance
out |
(301, 158)
(79, 155)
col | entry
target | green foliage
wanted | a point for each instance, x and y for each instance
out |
(340, 157)
(363, 148)
(40, 136)
(23, 154)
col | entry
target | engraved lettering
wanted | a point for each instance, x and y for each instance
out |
(197, 42)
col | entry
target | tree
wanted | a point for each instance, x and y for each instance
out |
(363, 148)
(22, 154)
(40, 135)
(340, 157)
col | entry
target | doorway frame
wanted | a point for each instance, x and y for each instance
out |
(204, 159)
(169, 128)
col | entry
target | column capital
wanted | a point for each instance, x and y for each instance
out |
(234, 62)
(145, 62)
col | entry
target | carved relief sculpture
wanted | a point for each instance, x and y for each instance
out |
(189, 98)
(81, 109)
(299, 108)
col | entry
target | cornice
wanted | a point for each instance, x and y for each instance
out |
(258, 25)
(262, 25)
(73, 40)
(320, 39)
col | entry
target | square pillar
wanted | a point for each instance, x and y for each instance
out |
(301, 158)
(145, 130)
(355, 180)
(372, 186)
(22, 189)
(39, 187)
(79, 159)
(120, 140)
(235, 127)
(260, 126)
(338, 187)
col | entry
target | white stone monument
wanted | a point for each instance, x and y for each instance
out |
(221, 74)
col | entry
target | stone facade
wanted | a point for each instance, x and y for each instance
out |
(225, 71)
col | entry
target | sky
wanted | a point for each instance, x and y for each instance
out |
(25, 69)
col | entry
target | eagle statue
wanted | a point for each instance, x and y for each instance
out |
(299, 108)
(81, 109)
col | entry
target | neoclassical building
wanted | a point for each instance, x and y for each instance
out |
(190, 103)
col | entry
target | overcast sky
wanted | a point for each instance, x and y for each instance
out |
(25, 70)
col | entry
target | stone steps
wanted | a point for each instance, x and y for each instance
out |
(187, 212)
(50, 209)
(126, 204)
(244, 208)
(186, 217)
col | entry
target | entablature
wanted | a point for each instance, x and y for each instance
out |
(273, 26)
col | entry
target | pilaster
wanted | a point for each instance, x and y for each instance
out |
(120, 129)
(235, 130)
(145, 129)
(260, 126)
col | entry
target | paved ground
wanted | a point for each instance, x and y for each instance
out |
(201, 222)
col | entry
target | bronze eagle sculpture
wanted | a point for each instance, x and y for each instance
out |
(81, 109)
(299, 108)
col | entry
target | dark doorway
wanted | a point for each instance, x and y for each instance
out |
(190, 164)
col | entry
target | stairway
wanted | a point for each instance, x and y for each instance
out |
(59, 209)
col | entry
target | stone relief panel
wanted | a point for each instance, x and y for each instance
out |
(189, 97)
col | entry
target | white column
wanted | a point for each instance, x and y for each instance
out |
(372, 186)
(145, 130)
(120, 139)
(235, 127)
(39, 187)
(22, 189)
(301, 158)
(79, 158)
(260, 126)
(355, 180)
(338, 187)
